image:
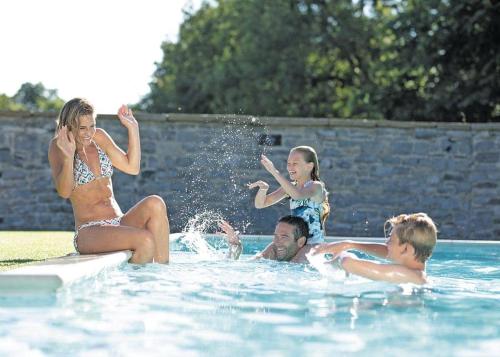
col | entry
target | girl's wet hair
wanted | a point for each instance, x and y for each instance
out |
(310, 155)
(71, 112)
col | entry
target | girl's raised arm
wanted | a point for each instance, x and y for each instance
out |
(262, 199)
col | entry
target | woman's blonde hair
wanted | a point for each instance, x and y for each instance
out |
(310, 155)
(417, 229)
(71, 112)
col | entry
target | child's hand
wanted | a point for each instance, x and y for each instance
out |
(260, 184)
(268, 164)
(232, 235)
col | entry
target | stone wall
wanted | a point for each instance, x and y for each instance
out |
(200, 163)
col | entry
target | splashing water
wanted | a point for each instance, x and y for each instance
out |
(230, 156)
(329, 270)
(194, 232)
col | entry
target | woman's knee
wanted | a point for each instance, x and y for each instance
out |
(156, 204)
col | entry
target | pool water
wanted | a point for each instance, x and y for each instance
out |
(202, 304)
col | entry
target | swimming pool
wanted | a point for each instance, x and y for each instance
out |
(201, 304)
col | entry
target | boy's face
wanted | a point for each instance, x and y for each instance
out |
(394, 248)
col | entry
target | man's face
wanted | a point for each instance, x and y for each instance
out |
(285, 246)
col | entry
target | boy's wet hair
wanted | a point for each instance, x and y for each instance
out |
(310, 155)
(301, 226)
(416, 229)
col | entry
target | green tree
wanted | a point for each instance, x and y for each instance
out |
(447, 63)
(394, 59)
(32, 97)
(235, 57)
(7, 103)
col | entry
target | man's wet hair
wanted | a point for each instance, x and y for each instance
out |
(301, 226)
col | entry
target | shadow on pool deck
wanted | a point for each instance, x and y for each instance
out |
(5, 263)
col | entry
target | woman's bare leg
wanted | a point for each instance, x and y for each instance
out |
(151, 214)
(108, 238)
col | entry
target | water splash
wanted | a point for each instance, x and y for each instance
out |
(229, 156)
(326, 268)
(194, 235)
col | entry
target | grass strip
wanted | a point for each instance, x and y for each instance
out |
(19, 248)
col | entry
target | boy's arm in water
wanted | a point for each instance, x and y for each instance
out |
(393, 273)
(233, 240)
(335, 248)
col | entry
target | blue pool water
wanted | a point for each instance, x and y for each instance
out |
(202, 304)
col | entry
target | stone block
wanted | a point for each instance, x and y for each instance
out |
(484, 145)
(401, 148)
(426, 133)
(487, 157)
(5, 155)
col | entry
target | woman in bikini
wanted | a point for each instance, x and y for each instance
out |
(82, 158)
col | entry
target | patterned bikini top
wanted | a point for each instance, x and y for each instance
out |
(82, 173)
(311, 211)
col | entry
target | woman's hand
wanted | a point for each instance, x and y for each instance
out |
(232, 236)
(268, 164)
(260, 184)
(127, 118)
(65, 141)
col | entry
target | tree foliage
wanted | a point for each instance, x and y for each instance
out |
(32, 97)
(393, 59)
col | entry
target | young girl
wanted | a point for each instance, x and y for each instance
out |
(307, 193)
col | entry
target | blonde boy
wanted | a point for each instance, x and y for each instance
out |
(411, 240)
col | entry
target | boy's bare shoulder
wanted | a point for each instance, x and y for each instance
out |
(393, 273)
(408, 275)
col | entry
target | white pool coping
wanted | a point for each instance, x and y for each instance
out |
(52, 274)
(356, 239)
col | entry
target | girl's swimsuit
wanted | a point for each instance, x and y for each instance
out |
(311, 212)
(82, 174)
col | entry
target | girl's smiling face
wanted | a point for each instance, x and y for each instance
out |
(298, 168)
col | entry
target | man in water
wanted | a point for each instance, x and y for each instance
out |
(289, 241)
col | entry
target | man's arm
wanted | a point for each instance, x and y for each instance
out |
(233, 240)
(234, 251)
(392, 273)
